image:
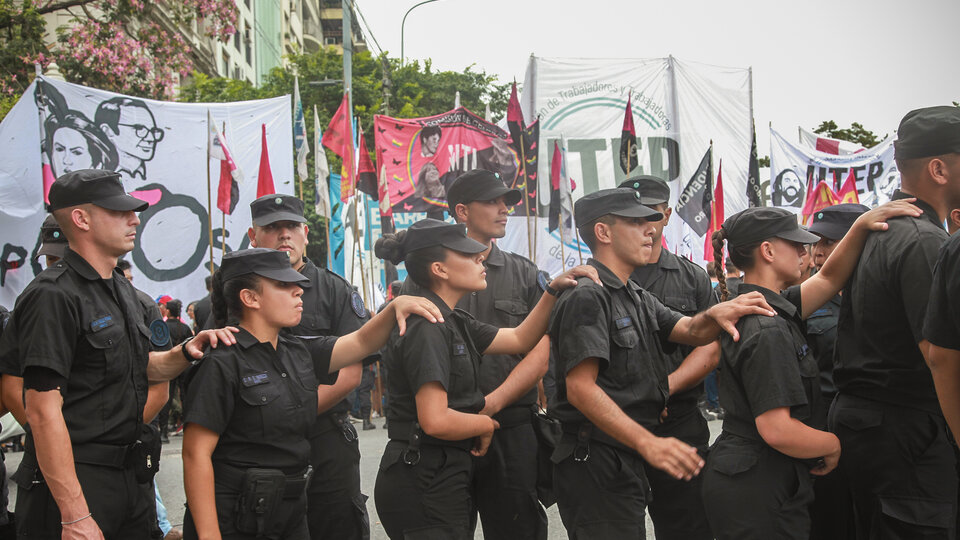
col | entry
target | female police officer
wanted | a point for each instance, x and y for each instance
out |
(757, 481)
(423, 487)
(249, 407)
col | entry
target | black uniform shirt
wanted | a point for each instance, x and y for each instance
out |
(685, 288)
(882, 312)
(627, 329)
(260, 401)
(330, 308)
(512, 292)
(770, 367)
(447, 352)
(942, 324)
(822, 337)
(73, 322)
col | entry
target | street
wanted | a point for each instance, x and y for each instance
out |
(170, 480)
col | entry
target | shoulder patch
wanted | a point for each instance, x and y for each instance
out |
(357, 304)
(159, 333)
(543, 280)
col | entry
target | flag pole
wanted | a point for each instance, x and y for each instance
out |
(223, 223)
(326, 230)
(209, 196)
(356, 243)
(563, 257)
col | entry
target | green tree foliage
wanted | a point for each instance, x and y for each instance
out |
(414, 90)
(856, 133)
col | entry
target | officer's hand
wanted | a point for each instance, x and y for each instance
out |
(663, 415)
(569, 278)
(195, 346)
(676, 458)
(481, 443)
(876, 219)
(828, 464)
(404, 306)
(85, 529)
(726, 314)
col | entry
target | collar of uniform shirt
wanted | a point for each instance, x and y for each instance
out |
(306, 271)
(495, 257)
(245, 339)
(776, 301)
(608, 278)
(432, 296)
(667, 261)
(928, 212)
(80, 265)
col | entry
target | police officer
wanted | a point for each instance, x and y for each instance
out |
(331, 307)
(831, 515)
(897, 455)
(250, 407)
(942, 330)
(505, 483)
(676, 508)
(85, 366)
(53, 243)
(611, 387)
(424, 484)
(757, 483)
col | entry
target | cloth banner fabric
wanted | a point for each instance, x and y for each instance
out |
(423, 156)
(335, 222)
(160, 150)
(678, 108)
(796, 168)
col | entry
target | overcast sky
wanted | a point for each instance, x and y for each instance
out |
(813, 60)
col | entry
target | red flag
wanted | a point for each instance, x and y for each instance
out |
(514, 112)
(848, 192)
(819, 198)
(264, 176)
(628, 141)
(366, 172)
(339, 138)
(716, 214)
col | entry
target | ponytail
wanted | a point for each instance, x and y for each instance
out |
(417, 262)
(225, 296)
(218, 304)
(718, 239)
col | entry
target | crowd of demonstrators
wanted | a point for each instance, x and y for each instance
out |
(836, 352)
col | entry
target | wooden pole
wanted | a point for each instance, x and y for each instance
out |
(563, 257)
(526, 196)
(209, 196)
(356, 241)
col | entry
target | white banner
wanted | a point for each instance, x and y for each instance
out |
(792, 165)
(160, 150)
(678, 107)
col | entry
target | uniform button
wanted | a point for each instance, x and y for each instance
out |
(263, 398)
(283, 374)
(109, 342)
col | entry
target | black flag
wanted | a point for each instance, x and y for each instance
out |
(628, 142)
(693, 205)
(526, 180)
(754, 195)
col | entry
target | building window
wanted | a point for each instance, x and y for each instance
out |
(236, 71)
(226, 64)
(248, 44)
(236, 41)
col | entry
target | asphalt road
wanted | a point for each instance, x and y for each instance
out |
(170, 480)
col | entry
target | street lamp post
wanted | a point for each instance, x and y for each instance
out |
(402, 23)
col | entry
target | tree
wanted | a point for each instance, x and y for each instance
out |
(856, 133)
(127, 46)
(415, 90)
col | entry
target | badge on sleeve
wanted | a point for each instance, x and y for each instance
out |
(543, 280)
(357, 304)
(159, 333)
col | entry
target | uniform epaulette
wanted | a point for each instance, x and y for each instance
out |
(53, 273)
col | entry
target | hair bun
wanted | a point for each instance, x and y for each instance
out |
(390, 247)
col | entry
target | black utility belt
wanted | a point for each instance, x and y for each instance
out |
(266, 482)
(336, 421)
(585, 432)
(414, 437)
(516, 415)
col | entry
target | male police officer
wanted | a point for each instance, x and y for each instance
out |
(611, 387)
(942, 329)
(505, 481)
(84, 353)
(335, 506)
(897, 456)
(677, 508)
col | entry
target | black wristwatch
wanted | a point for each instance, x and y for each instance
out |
(550, 290)
(183, 348)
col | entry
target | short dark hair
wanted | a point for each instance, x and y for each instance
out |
(108, 112)
(395, 286)
(208, 281)
(174, 307)
(428, 132)
(586, 230)
(123, 265)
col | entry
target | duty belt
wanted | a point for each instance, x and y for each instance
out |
(584, 432)
(340, 422)
(294, 486)
(514, 416)
(410, 433)
(105, 455)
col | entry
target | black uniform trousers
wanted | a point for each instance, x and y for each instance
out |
(288, 523)
(505, 481)
(831, 513)
(336, 509)
(753, 492)
(603, 496)
(426, 500)
(901, 468)
(676, 508)
(114, 497)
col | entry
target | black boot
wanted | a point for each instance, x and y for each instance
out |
(367, 424)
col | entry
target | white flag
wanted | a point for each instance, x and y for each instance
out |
(299, 132)
(836, 147)
(218, 148)
(322, 169)
(566, 195)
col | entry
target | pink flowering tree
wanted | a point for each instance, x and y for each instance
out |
(130, 46)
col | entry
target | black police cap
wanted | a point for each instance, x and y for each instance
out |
(833, 222)
(276, 207)
(931, 131)
(93, 186)
(52, 240)
(268, 263)
(756, 224)
(480, 185)
(431, 232)
(653, 190)
(623, 202)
